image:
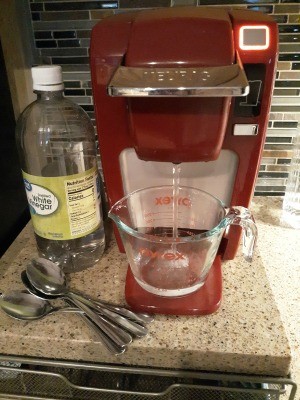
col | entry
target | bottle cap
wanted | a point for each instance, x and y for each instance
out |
(47, 78)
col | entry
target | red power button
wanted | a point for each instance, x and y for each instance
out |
(254, 37)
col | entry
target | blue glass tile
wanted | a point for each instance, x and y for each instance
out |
(284, 139)
(64, 34)
(271, 193)
(285, 124)
(84, 33)
(35, 16)
(72, 84)
(70, 60)
(289, 28)
(289, 38)
(288, 109)
(263, 9)
(65, 16)
(36, 6)
(45, 43)
(289, 57)
(43, 35)
(279, 18)
(80, 5)
(284, 161)
(219, 2)
(144, 3)
(78, 68)
(68, 43)
(294, 84)
(74, 92)
(265, 174)
(64, 52)
(286, 92)
(88, 108)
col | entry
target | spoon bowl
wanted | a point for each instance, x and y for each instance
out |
(48, 278)
(142, 319)
(23, 305)
(31, 289)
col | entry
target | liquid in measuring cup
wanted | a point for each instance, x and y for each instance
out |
(175, 270)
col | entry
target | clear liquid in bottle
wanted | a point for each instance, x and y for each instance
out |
(56, 144)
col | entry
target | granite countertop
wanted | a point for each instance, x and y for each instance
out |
(279, 249)
(250, 333)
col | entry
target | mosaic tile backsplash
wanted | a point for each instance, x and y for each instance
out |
(62, 30)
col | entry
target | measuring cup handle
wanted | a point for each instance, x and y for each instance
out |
(242, 216)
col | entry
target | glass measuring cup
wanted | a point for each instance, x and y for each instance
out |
(171, 236)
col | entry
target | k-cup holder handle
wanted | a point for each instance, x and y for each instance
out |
(243, 217)
(220, 81)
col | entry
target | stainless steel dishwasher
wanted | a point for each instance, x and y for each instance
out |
(29, 378)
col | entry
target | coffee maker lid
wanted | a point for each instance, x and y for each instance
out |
(181, 37)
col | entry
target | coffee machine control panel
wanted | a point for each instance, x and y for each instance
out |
(250, 106)
(245, 129)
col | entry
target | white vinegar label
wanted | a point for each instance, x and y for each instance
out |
(41, 200)
(64, 207)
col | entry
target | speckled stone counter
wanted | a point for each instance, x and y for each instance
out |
(246, 335)
(279, 250)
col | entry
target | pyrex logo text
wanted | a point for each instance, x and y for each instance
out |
(165, 200)
(165, 255)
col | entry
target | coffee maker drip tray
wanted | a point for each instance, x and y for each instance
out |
(205, 300)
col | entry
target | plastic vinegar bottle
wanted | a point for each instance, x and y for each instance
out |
(58, 155)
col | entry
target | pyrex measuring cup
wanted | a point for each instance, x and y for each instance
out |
(171, 236)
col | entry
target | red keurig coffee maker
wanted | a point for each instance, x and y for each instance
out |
(183, 85)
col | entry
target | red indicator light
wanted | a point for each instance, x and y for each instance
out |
(254, 37)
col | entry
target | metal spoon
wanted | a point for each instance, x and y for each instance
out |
(31, 289)
(141, 318)
(25, 306)
(121, 337)
(48, 278)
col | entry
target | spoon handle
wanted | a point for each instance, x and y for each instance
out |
(141, 318)
(134, 328)
(109, 344)
(65, 310)
(116, 334)
(106, 340)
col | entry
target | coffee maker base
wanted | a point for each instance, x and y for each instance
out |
(204, 301)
